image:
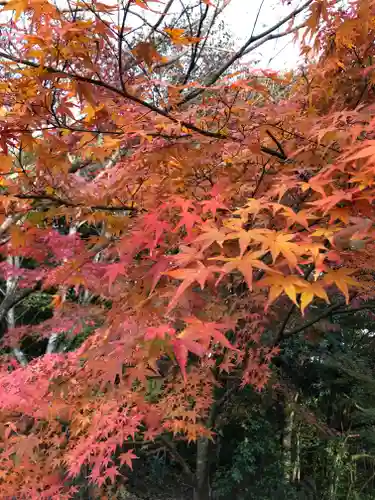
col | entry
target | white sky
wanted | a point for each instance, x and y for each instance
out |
(240, 17)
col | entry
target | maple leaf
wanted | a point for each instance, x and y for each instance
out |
(181, 353)
(204, 331)
(153, 230)
(157, 270)
(127, 458)
(177, 35)
(367, 149)
(245, 237)
(328, 202)
(159, 332)
(97, 477)
(196, 338)
(18, 6)
(111, 473)
(188, 220)
(211, 234)
(312, 290)
(213, 205)
(114, 270)
(186, 255)
(342, 279)
(253, 206)
(146, 51)
(291, 285)
(226, 365)
(280, 243)
(57, 301)
(199, 274)
(300, 217)
(6, 163)
(245, 265)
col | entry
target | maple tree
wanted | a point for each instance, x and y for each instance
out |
(174, 219)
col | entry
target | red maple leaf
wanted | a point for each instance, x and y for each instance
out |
(111, 473)
(213, 205)
(114, 270)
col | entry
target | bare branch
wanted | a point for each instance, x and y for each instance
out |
(173, 451)
(120, 42)
(193, 59)
(334, 309)
(273, 37)
(161, 18)
(245, 49)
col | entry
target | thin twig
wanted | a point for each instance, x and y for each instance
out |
(247, 47)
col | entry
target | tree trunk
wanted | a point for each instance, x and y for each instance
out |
(202, 489)
(288, 434)
(11, 285)
(336, 470)
(296, 456)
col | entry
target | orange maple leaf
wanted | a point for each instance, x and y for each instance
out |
(245, 265)
(280, 243)
(178, 38)
(211, 234)
(199, 274)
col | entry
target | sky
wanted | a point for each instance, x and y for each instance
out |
(240, 16)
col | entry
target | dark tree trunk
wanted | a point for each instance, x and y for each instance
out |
(202, 489)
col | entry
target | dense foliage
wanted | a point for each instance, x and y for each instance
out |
(184, 244)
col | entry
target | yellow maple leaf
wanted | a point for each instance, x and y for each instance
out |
(300, 217)
(246, 237)
(312, 290)
(277, 283)
(253, 206)
(90, 110)
(18, 237)
(342, 279)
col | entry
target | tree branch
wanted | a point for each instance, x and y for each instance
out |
(125, 94)
(9, 221)
(161, 18)
(278, 144)
(59, 201)
(334, 309)
(245, 49)
(193, 59)
(173, 451)
(15, 298)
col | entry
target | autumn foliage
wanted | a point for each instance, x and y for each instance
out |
(219, 215)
